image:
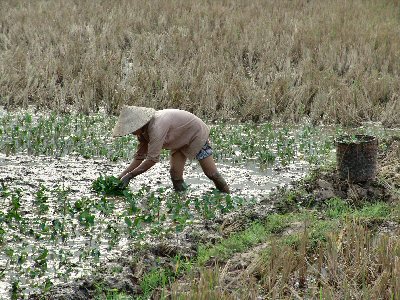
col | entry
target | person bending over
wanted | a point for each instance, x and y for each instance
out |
(186, 135)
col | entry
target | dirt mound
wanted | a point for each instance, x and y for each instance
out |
(324, 183)
(327, 184)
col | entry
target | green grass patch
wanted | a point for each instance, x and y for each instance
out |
(241, 241)
(104, 293)
(158, 277)
(316, 231)
(374, 211)
(276, 223)
(161, 277)
(111, 294)
(337, 208)
(237, 242)
(319, 229)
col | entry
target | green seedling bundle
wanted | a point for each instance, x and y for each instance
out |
(108, 185)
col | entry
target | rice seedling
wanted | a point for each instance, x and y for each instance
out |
(61, 219)
(15, 290)
(111, 216)
(108, 185)
(89, 136)
(63, 202)
(86, 218)
(105, 206)
(41, 200)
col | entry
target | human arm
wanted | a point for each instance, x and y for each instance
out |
(148, 152)
(133, 165)
(140, 155)
(141, 168)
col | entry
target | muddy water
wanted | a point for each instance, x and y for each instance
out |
(245, 179)
(76, 174)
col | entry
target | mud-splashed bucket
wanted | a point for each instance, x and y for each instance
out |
(356, 157)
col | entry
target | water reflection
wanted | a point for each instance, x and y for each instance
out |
(76, 256)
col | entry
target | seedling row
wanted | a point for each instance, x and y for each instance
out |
(50, 237)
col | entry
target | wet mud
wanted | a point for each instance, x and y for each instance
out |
(325, 185)
(124, 270)
(238, 272)
(76, 174)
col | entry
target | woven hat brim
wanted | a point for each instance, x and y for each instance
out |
(131, 119)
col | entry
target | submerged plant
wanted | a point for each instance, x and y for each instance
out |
(41, 199)
(108, 185)
(15, 290)
(86, 218)
(105, 206)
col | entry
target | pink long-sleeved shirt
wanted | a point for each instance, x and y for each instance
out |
(173, 129)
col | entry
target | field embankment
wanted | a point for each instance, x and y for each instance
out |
(333, 61)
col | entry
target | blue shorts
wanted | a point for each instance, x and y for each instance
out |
(205, 151)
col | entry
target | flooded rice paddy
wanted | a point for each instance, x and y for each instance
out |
(51, 241)
(54, 228)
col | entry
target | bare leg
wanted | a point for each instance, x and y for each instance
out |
(211, 171)
(178, 160)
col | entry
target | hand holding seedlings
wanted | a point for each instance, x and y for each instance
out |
(126, 179)
(109, 185)
(186, 135)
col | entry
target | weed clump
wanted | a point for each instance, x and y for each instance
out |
(108, 185)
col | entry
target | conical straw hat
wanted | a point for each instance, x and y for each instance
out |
(131, 119)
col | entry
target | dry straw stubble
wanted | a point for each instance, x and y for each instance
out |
(335, 61)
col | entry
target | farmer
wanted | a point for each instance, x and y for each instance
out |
(177, 130)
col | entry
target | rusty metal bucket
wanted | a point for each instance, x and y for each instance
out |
(356, 157)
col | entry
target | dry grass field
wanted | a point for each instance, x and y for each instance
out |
(333, 61)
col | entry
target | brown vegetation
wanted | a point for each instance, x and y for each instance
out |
(353, 264)
(335, 61)
(356, 260)
(353, 257)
